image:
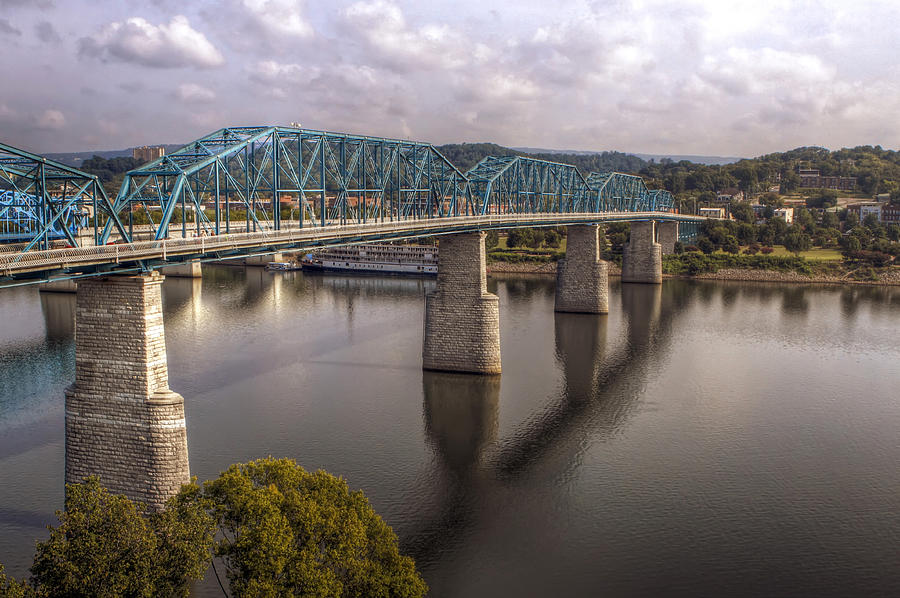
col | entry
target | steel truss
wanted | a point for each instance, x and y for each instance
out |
(617, 192)
(44, 203)
(258, 173)
(519, 185)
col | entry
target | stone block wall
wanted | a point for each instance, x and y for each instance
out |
(642, 257)
(582, 280)
(668, 235)
(462, 320)
(123, 423)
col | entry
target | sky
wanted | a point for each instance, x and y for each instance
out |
(710, 77)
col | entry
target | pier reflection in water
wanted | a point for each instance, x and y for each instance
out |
(694, 441)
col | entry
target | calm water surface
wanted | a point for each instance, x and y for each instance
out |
(702, 439)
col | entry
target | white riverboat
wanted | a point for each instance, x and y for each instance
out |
(375, 259)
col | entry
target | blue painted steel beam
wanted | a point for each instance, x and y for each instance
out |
(44, 203)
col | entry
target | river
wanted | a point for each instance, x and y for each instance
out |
(703, 439)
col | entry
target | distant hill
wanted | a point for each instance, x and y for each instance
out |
(465, 155)
(76, 159)
(716, 160)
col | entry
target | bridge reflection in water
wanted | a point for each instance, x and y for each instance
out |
(603, 377)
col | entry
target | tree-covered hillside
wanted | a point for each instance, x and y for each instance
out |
(466, 155)
(877, 170)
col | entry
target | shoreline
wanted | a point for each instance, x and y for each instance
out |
(734, 274)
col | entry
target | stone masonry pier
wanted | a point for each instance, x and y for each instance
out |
(123, 423)
(582, 281)
(462, 320)
(668, 236)
(642, 258)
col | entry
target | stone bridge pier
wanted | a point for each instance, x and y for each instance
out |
(462, 320)
(582, 280)
(642, 257)
(123, 423)
(667, 236)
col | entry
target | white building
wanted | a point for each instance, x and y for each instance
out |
(786, 214)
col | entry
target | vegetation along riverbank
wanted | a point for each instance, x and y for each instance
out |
(817, 252)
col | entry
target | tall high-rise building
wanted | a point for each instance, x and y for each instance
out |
(148, 153)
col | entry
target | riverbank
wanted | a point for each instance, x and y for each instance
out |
(886, 277)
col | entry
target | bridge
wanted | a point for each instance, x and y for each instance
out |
(246, 191)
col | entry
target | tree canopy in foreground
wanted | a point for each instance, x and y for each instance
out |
(278, 529)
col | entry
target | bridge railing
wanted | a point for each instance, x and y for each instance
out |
(212, 247)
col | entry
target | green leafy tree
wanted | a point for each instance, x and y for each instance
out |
(742, 212)
(537, 238)
(706, 246)
(830, 220)
(552, 238)
(106, 545)
(796, 240)
(10, 588)
(287, 532)
(772, 200)
(822, 198)
(730, 245)
(491, 239)
(746, 233)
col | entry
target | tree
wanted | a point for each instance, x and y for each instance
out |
(772, 200)
(552, 238)
(796, 240)
(706, 246)
(537, 238)
(491, 239)
(742, 212)
(519, 237)
(822, 198)
(746, 233)
(286, 532)
(830, 220)
(10, 588)
(106, 545)
(730, 245)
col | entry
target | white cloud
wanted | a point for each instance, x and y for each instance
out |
(172, 45)
(194, 94)
(50, 119)
(282, 17)
(393, 43)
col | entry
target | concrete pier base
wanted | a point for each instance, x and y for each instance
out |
(462, 320)
(642, 257)
(262, 260)
(186, 270)
(123, 423)
(668, 235)
(58, 286)
(582, 279)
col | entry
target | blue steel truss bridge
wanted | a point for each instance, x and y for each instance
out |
(255, 190)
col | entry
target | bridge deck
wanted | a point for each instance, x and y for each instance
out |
(143, 254)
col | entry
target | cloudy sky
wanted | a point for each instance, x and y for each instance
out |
(655, 76)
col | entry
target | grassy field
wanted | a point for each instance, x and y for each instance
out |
(816, 253)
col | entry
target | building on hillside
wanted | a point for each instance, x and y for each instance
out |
(148, 153)
(712, 212)
(786, 214)
(886, 213)
(890, 214)
(730, 194)
(811, 178)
